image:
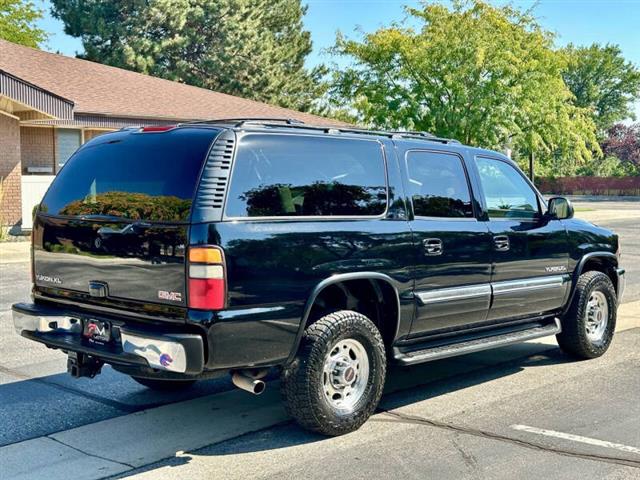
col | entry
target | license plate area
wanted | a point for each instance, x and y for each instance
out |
(96, 331)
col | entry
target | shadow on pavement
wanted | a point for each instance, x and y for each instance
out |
(405, 386)
(65, 402)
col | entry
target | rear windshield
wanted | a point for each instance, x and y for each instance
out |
(294, 176)
(138, 176)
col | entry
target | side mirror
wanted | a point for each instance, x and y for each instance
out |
(560, 208)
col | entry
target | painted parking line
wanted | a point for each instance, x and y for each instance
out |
(577, 438)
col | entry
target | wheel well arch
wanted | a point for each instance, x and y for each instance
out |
(605, 262)
(600, 262)
(373, 294)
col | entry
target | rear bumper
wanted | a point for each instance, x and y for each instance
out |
(178, 353)
(620, 272)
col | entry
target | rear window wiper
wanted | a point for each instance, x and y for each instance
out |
(117, 218)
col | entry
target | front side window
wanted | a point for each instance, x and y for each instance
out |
(507, 193)
(297, 176)
(438, 185)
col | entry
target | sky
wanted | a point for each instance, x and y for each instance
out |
(580, 22)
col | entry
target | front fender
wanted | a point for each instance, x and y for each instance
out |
(607, 258)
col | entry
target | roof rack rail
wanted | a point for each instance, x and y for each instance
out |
(398, 134)
(363, 131)
(424, 136)
(238, 122)
(293, 123)
(413, 133)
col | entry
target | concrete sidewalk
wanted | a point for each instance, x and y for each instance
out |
(14, 252)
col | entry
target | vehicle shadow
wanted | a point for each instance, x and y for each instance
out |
(110, 394)
(405, 386)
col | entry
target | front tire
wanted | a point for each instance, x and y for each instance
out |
(336, 380)
(588, 326)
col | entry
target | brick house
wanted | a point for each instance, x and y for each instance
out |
(50, 104)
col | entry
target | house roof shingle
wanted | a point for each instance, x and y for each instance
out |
(105, 90)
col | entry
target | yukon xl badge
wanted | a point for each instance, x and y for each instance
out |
(48, 279)
(172, 296)
(556, 269)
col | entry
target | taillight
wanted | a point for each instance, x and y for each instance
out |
(207, 284)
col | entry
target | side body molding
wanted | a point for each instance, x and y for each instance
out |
(439, 295)
(504, 299)
(454, 293)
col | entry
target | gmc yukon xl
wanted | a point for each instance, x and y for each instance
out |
(242, 246)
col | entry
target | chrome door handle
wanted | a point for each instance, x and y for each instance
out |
(501, 243)
(432, 246)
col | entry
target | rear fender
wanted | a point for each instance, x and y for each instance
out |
(337, 279)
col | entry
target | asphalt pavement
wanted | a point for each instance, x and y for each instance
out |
(524, 411)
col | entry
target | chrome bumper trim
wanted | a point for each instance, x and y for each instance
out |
(45, 323)
(161, 354)
(181, 353)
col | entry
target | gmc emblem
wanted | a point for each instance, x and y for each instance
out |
(171, 296)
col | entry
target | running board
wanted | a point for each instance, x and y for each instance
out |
(476, 345)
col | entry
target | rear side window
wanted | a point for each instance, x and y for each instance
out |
(296, 176)
(438, 185)
(138, 176)
(506, 192)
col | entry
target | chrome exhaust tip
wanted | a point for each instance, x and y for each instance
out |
(248, 383)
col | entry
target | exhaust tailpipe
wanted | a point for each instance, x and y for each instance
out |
(247, 382)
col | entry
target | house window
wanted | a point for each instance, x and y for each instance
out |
(67, 142)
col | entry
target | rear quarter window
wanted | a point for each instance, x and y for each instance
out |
(299, 176)
(138, 176)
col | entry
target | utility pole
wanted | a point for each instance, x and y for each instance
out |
(531, 174)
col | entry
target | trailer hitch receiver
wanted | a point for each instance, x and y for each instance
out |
(83, 365)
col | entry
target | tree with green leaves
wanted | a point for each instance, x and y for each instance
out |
(252, 48)
(18, 23)
(485, 75)
(602, 81)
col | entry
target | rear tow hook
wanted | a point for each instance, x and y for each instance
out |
(83, 365)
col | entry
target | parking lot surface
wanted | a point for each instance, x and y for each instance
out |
(525, 411)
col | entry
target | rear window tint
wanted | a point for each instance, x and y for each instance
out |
(295, 176)
(139, 176)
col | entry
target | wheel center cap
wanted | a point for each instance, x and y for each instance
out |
(349, 374)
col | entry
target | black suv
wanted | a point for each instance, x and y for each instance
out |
(236, 246)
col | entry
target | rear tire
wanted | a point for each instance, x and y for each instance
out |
(165, 385)
(589, 325)
(336, 380)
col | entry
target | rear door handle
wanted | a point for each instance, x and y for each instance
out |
(432, 246)
(501, 243)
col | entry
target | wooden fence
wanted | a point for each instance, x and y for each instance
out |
(613, 186)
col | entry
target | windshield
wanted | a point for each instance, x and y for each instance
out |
(138, 176)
